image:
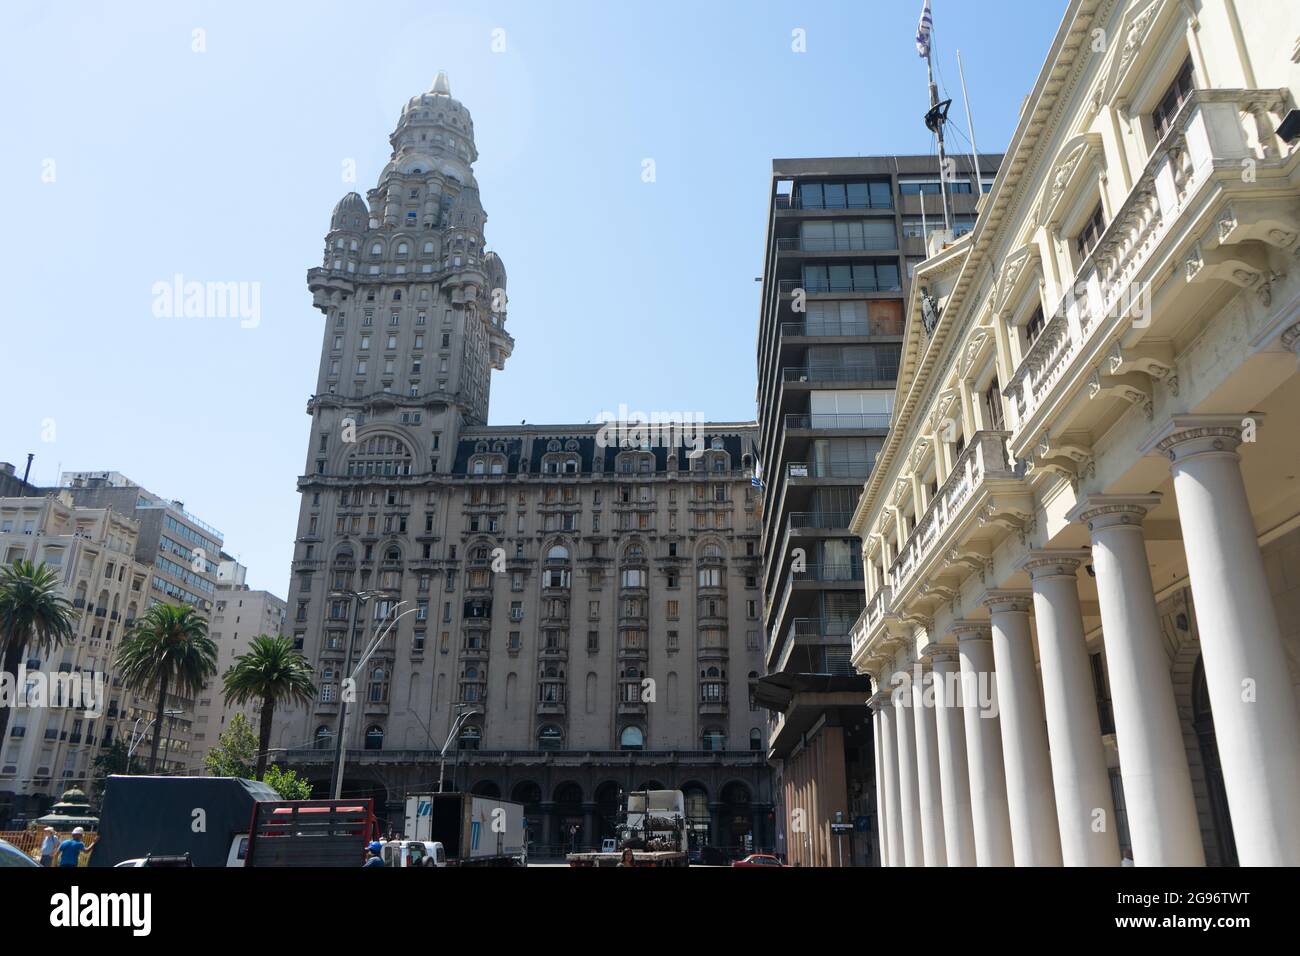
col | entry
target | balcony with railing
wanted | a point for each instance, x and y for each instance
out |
(836, 286)
(1213, 129)
(869, 376)
(833, 244)
(842, 328)
(983, 484)
(859, 421)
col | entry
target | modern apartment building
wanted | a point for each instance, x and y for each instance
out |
(182, 552)
(1082, 534)
(72, 705)
(239, 614)
(586, 596)
(843, 235)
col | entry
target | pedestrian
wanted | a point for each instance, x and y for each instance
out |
(70, 850)
(375, 859)
(629, 858)
(48, 846)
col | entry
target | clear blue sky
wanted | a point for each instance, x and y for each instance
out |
(224, 166)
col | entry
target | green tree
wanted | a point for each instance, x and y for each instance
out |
(287, 783)
(34, 616)
(271, 672)
(234, 756)
(235, 752)
(168, 651)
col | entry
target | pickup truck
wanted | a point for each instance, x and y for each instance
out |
(472, 830)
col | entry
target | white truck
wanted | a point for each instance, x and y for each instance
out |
(653, 830)
(471, 830)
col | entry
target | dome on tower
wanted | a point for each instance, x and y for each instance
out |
(351, 213)
(495, 270)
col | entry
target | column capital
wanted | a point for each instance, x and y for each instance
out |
(1004, 599)
(1107, 511)
(968, 631)
(937, 652)
(1186, 436)
(880, 700)
(1044, 563)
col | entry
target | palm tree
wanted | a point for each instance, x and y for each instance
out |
(272, 672)
(33, 614)
(169, 651)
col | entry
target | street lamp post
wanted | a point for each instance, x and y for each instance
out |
(456, 724)
(359, 598)
(171, 716)
(339, 751)
(136, 741)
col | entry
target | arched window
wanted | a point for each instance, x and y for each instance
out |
(394, 554)
(401, 248)
(558, 553)
(755, 739)
(380, 455)
(550, 737)
(377, 249)
(470, 737)
(375, 737)
(378, 685)
(323, 737)
(632, 738)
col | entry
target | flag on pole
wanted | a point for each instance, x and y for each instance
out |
(756, 479)
(923, 30)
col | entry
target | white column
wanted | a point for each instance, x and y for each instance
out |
(1246, 667)
(1153, 762)
(889, 764)
(988, 782)
(927, 770)
(909, 805)
(882, 824)
(954, 780)
(1031, 802)
(1084, 808)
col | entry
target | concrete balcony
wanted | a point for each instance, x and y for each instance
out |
(1101, 341)
(983, 493)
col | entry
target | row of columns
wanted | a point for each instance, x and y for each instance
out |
(982, 764)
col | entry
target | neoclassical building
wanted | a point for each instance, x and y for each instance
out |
(1082, 535)
(587, 596)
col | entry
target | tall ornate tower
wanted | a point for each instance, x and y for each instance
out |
(415, 316)
(415, 309)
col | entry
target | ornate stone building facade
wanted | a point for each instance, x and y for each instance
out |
(1082, 534)
(589, 603)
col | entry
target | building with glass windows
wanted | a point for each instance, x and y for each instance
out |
(843, 236)
(1081, 535)
(574, 609)
(182, 552)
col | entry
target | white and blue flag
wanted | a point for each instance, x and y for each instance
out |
(923, 30)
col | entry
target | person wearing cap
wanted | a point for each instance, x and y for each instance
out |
(375, 859)
(70, 850)
(48, 846)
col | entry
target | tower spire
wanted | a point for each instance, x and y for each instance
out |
(441, 84)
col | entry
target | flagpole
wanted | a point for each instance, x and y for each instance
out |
(974, 153)
(938, 132)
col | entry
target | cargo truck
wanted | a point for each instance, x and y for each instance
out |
(311, 832)
(471, 830)
(145, 818)
(653, 830)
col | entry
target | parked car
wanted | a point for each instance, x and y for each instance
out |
(758, 859)
(10, 855)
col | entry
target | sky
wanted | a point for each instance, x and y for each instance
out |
(211, 140)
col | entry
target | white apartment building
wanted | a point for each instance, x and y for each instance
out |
(52, 745)
(1083, 531)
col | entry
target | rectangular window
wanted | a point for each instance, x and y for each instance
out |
(1162, 117)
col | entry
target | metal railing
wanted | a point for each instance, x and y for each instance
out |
(787, 286)
(819, 571)
(820, 519)
(852, 244)
(832, 327)
(858, 468)
(838, 420)
(842, 373)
